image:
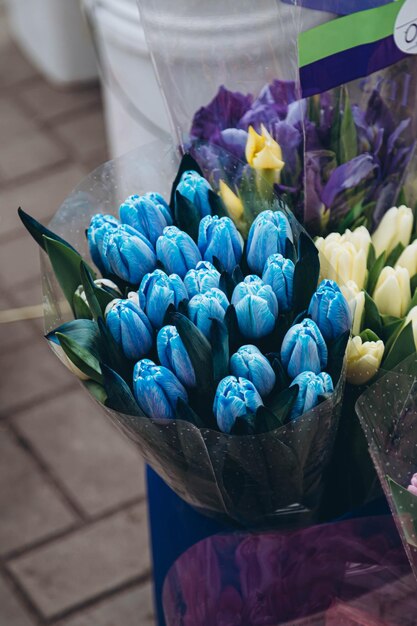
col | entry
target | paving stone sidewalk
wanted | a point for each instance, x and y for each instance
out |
(73, 520)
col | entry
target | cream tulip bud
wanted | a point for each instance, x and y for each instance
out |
(412, 317)
(356, 301)
(408, 258)
(341, 260)
(360, 238)
(363, 360)
(395, 227)
(392, 293)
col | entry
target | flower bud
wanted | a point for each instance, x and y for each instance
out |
(177, 251)
(249, 362)
(408, 258)
(363, 360)
(341, 260)
(268, 235)
(149, 214)
(262, 151)
(231, 201)
(204, 277)
(128, 253)
(219, 237)
(356, 301)
(173, 355)
(311, 387)
(412, 317)
(157, 292)
(392, 293)
(279, 274)
(256, 307)
(130, 328)
(329, 309)
(99, 226)
(304, 349)
(235, 397)
(204, 307)
(157, 389)
(412, 487)
(395, 227)
(196, 189)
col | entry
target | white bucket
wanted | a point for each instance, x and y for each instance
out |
(241, 44)
(134, 109)
(54, 35)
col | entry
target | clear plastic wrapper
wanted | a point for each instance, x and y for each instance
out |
(325, 77)
(263, 480)
(350, 572)
(388, 414)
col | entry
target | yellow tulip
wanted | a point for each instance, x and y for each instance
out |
(395, 227)
(408, 258)
(356, 301)
(343, 258)
(262, 151)
(363, 360)
(232, 202)
(392, 293)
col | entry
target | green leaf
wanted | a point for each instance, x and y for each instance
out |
(217, 204)
(337, 350)
(368, 335)
(351, 217)
(112, 353)
(306, 273)
(348, 134)
(413, 302)
(371, 316)
(186, 413)
(402, 347)
(119, 396)
(66, 264)
(374, 273)
(187, 215)
(371, 257)
(413, 283)
(80, 357)
(97, 391)
(276, 414)
(198, 349)
(219, 336)
(395, 255)
(227, 284)
(90, 291)
(80, 308)
(84, 332)
(38, 231)
(243, 426)
(390, 332)
(406, 507)
(230, 319)
(187, 163)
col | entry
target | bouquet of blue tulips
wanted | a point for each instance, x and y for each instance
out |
(215, 349)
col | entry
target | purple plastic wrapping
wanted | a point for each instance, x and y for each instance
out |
(263, 480)
(388, 415)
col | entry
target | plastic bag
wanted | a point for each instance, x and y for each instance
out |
(269, 479)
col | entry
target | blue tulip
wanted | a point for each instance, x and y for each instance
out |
(173, 355)
(177, 251)
(256, 307)
(157, 389)
(204, 277)
(329, 309)
(130, 328)
(99, 225)
(149, 214)
(311, 387)
(204, 307)
(196, 189)
(235, 397)
(268, 235)
(304, 349)
(157, 292)
(279, 274)
(219, 237)
(129, 254)
(249, 362)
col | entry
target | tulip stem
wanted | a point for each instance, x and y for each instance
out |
(265, 180)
